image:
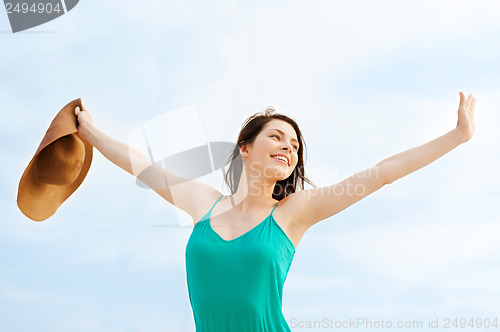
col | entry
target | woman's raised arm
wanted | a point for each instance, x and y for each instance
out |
(313, 205)
(135, 162)
(411, 160)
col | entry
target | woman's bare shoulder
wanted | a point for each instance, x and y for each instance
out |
(203, 201)
(284, 216)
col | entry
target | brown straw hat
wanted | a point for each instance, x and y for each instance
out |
(58, 167)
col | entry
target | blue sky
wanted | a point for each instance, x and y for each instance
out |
(364, 80)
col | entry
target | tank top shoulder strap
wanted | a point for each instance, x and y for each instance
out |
(210, 212)
(274, 208)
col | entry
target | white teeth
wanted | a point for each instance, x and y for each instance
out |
(281, 158)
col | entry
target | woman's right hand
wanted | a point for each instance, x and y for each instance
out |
(84, 120)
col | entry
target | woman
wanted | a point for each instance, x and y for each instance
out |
(242, 245)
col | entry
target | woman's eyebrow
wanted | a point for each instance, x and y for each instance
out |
(282, 133)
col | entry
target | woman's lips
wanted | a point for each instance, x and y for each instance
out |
(280, 161)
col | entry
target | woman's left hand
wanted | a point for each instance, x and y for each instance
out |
(465, 123)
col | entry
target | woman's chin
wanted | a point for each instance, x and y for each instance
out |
(281, 174)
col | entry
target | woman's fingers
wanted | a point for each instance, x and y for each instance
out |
(469, 103)
(84, 109)
(462, 101)
(472, 107)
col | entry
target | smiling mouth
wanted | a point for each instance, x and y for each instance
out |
(280, 161)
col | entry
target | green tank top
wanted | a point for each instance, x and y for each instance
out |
(237, 285)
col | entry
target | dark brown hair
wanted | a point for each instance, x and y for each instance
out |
(251, 127)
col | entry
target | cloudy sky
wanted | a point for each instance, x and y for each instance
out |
(364, 80)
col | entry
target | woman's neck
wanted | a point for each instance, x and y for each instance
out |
(253, 193)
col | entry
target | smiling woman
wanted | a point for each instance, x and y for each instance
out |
(252, 127)
(237, 262)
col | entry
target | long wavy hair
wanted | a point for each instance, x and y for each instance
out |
(251, 127)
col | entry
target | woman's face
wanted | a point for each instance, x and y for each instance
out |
(277, 137)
